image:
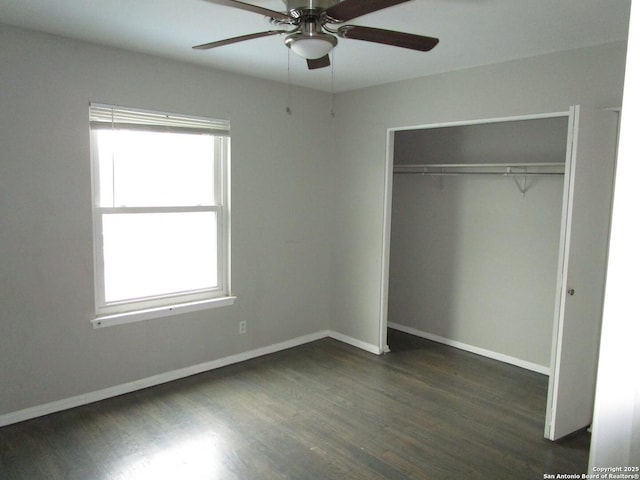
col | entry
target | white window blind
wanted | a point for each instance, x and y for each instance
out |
(121, 118)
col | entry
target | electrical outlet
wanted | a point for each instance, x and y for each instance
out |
(242, 327)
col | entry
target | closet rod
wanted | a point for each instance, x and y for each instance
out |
(502, 174)
(481, 165)
(529, 169)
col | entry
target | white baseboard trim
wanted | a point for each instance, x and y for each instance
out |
(91, 397)
(355, 342)
(473, 349)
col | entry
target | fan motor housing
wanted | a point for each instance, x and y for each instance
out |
(293, 5)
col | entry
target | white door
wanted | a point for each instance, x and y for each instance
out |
(583, 251)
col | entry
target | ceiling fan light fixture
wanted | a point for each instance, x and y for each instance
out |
(312, 46)
(309, 30)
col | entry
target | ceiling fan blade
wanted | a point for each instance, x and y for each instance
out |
(318, 62)
(241, 38)
(253, 8)
(350, 9)
(388, 37)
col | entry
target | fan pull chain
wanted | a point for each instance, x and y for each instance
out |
(288, 109)
(332, 113)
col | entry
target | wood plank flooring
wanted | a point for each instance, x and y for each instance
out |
(324, 410)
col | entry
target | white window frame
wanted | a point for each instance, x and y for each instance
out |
(103, 116)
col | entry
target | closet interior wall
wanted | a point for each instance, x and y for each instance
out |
(473, 259)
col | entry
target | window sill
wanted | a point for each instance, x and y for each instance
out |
(165, 311)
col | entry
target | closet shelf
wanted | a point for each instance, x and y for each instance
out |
(504, 169)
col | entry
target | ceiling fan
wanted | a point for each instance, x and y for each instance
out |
(310, 32)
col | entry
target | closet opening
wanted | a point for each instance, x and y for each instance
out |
(475, 229)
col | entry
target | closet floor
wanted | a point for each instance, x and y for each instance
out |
(324, 410)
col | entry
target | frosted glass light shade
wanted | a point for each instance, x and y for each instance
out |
(311, 47)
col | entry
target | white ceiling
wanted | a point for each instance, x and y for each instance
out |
(471, 33)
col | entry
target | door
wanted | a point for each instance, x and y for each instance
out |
(581, 274)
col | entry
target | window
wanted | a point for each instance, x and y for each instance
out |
(161, 212)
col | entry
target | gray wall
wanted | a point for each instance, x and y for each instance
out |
(281, 191)
(549, 83)
(521, 141)
(472, 259)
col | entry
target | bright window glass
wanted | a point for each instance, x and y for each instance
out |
(145, 169)
(151, 254)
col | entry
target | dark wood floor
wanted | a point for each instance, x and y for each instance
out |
(320, 411)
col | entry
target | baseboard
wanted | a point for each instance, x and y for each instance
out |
(518, 362)
(355, 342)
(91, 397)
